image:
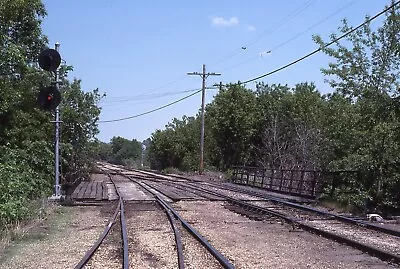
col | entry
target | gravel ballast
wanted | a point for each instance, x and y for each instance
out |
(63, 239)
(269, 244)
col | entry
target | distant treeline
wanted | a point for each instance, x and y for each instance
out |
(121, 151)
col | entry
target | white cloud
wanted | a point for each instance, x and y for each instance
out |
(219, 21)
(251, 28)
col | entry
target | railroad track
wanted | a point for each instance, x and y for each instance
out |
(371, 238)
(296, 207)
(174, 219)
(174, 214)
(119, 211)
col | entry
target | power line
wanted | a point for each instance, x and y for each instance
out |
(313, 26)
(123, 99)
(148, 96)
(151, 111)
(126, 105)
(286, 19)
(139, 101)
(327, 45)
(167, 84)
(292, 38)
(270, 30)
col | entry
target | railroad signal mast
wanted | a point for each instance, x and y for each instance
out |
(48, 99)
(204, 76)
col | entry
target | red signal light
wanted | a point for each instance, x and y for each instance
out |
(49, 98)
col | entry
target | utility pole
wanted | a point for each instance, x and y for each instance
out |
(204, 76)
(219, 86)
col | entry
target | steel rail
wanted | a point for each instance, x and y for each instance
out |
(124, 233)
(119, 209)
(124, 236)
(221, 259)
(317, 211)
(384, 255)
(302, 207)
(178, 239)
(366, 248)
(177, 235)
(99, 241)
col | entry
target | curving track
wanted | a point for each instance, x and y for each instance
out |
(173, 217)
(120, 210)
(377, 240)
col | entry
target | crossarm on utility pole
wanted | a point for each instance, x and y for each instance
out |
(204, 76)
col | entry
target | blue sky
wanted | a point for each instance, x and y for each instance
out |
(136, 51)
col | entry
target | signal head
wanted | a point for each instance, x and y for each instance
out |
(49, 98)
(49, 60)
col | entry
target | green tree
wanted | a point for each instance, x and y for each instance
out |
(103, 151)
(80, 113)
(176, 146)
(26, 133)
(289, 126)
(231, 120)
(21, 40)
(366, 73)
(125, 151)
(25, 156)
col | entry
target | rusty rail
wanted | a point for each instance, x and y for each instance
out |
(119, 209)
(221, 259)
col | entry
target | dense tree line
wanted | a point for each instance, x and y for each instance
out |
(356, 127)
(120, 151)
(26, 132)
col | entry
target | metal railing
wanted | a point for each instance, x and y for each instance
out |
(306, 183)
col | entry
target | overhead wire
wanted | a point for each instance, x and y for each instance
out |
(151, 111)
(149, 91)
(292, 38)
(140, 101)
(167, 84)
(269, 30)
(123, 99)
(125, 105)
(276, 26)
(314, 25)
(269, 73)
(320, 48)
(146, 96)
